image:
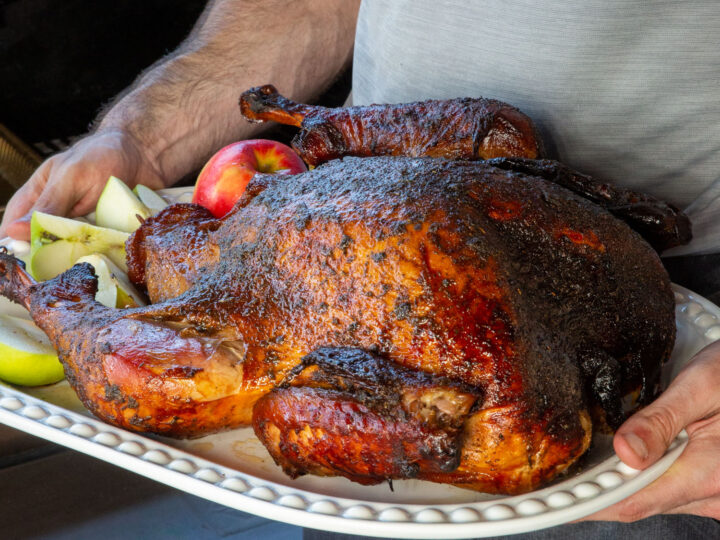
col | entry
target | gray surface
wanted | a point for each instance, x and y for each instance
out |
(50, 492)
(677, 527)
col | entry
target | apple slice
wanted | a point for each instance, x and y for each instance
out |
(114, 287)
(57, 242)
(26, 356)
(149, 198)
(119, 208)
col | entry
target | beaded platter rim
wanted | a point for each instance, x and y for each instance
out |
(572, 498)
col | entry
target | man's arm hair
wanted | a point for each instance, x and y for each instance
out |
(185, 106)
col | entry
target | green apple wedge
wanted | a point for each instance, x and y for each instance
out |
(26, 356)
(114, 287)
(57, 242)
(119, 208)
(149, 198)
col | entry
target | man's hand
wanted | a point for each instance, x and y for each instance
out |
(692, 484)
(69, 184)
(185, 107)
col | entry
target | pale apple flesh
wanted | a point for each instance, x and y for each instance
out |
(149, 198)
(114, 287)
(119, 208)
(224, 177)
(26, 356)
(57, 242)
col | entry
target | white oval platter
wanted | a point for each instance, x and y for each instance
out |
(233, 468)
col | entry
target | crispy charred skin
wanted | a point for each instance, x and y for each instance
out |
(463, 128)
(351, 413)
(661, 224)
(493, 279)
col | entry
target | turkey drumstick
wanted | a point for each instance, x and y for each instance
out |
(142, 369)
(463, 128)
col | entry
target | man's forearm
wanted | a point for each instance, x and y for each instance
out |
(186, 106)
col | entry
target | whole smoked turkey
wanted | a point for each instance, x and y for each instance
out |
(466, 322)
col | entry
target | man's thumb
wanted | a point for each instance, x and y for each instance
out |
(19, 229)
(51, 202)
(646, 435)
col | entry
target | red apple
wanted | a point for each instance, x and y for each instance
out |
(224, 177)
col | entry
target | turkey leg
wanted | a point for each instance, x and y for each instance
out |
(467, 128)
(264, 103)
(140, 369)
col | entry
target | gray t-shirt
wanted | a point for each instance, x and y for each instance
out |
(625, 90)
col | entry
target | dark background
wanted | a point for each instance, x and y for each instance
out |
(62, 60)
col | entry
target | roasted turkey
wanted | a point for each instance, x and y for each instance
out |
(467, 322)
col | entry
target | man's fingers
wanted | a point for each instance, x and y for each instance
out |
(22, 202)
(69, 183)
(40, 192)
(709, 507)
(693, 395)
(55, 188)
(55, 199)
(691, 402)
(50, 203)
(18, 229)
(689, 479)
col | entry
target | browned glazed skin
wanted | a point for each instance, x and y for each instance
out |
(661, 224)
(462, 128)
(167, 261)
(351, 411)
(540, 301)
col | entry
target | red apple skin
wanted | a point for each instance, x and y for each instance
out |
(224, 177)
